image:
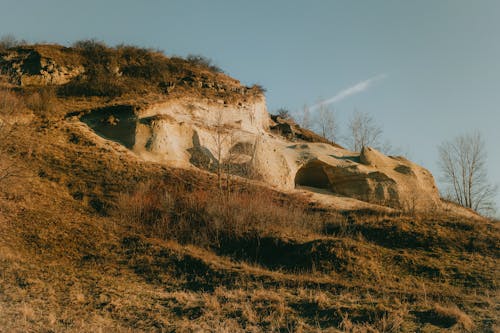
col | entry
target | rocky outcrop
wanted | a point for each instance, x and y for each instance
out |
(215, 120)
(40, 65)
(290, 130)
(372, 177)
(192, 133)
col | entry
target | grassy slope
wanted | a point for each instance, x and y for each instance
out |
(69, 263)
(74, 257)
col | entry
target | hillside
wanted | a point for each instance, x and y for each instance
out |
(113, 219)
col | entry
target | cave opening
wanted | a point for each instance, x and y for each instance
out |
(312, 175)
(116, 123)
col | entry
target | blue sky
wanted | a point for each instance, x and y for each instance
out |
(431, 68)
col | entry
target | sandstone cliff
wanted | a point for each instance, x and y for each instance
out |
(209, 119)
(190, 133)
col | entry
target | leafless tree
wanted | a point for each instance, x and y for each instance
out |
(326, 122)
(306, 118)
(463, 165)
(363, 131)
(9, 41)
(221, 137)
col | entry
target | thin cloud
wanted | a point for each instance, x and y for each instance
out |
(355, 89)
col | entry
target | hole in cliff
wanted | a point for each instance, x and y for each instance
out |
(312, 175)
(115, 123)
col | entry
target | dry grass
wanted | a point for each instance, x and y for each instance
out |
(211, 218)
(452, 314)
(10, 103)
(88, 243)
(42, 101)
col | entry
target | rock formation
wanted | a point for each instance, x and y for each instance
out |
(232, 127)
(184, 133)
(41, 65)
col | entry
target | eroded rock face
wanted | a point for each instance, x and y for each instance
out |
(189, 133)
(392, 181)
(209, 130)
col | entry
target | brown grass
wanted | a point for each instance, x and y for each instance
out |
(210, 218)
(42, 101)
(452, 313)
(89, 243)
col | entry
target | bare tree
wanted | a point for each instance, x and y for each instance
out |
(221, 137)
(463, 165)
(327, 123)
(306, 118)
(9, 41)
(363, 131)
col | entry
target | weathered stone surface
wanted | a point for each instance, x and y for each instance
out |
(182, 133)
(193, 132)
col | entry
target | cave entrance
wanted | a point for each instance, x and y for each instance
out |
(312, 175)
(117, 123)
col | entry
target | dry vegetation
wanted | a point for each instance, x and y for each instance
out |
(130, 70)
(91, 239)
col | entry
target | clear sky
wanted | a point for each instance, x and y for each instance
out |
(426, 70)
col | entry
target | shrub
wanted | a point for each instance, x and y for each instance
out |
(147, 206)
(41, 100)
(258, 88)
(114, 71)
(143, 63)
(99, 83)
(10, 41)
(283, 113)
(10, 103)
(203, 62)
(95, 52)
(206, 218)
(101, 71)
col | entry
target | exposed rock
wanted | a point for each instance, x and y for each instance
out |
(182, 133)
(31, 66)
(192, 131)
(289, 129)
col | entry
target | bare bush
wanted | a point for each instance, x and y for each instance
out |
(147, 206)
(42, 100)
(283, 113)
(203, 62)
(142, 63)
(259, 88)
(10, 41)
(101, 71)
(10, 103)
(205, 218)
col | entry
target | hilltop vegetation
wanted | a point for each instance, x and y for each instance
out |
(94, 239)
(91, 68)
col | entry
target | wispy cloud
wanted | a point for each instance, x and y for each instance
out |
(355, 89)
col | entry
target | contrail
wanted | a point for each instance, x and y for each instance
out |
(355, 89)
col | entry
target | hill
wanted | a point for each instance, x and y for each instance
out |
(107, 223)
